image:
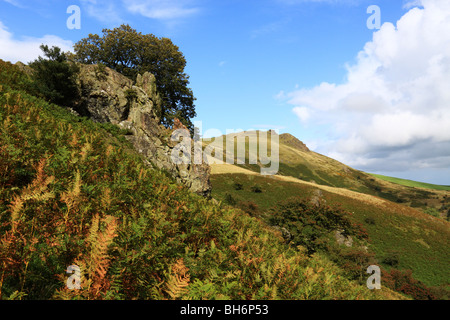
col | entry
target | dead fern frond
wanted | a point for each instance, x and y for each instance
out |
(36, 190)
(178, 280)
(85, 150)
(15, 208)
(99, 258)
(106, 198)
(92, 238)
(72, 197)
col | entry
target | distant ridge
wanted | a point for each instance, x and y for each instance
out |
(291, 141)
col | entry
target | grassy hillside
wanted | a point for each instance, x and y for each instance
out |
(411, 183)
(297, 161)
(74, 192)
(400, 237)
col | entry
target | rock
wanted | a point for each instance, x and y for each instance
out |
(24, 68)
(341, 239)
(287, 236)
(317, 198)
(107, 96)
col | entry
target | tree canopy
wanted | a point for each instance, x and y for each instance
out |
(131, 53)
(54, 77)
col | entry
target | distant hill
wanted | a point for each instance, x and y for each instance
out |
(411, 183)
(407, 225)
(296, 160)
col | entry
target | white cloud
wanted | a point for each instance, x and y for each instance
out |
(161, 9)
(14, 3)
(103, 10)
(395, 102)
(27, 49)
(412, 3)
(302, 113)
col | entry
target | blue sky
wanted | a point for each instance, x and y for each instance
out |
(308, 67)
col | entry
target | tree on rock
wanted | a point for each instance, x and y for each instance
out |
(131, 53)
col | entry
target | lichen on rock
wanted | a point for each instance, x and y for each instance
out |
(108, 96)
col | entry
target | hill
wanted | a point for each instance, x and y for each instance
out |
(76, 193)
(411, 183)
(402, 235)
(296, 160)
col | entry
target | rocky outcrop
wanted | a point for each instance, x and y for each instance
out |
(342, 239)
(293, 142)
(107, 96)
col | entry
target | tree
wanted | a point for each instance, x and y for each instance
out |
(131, 53)
(54, 78)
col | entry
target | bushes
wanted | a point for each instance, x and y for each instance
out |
(311, 224)
(403, 281)
(250, 207)
(229, 199)
(238, 186)
(13, 78)
(392, 259)
(256, 189)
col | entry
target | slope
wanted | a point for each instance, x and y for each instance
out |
(401, 237)
(75, 193)
(296, 160)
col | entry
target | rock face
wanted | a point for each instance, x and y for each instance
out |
(107, 96)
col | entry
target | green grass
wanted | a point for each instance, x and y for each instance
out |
(422, 243)
(411, 183)
(313, 167)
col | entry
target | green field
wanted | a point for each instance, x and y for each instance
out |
(411, 183)
(419, 243)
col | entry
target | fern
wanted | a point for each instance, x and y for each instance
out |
(36, 190)
(72, 197)
(99, 259)
(178, 280)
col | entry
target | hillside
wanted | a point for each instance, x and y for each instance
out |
(297, 161)
(402, 236)
(76, 192)
(411, 183)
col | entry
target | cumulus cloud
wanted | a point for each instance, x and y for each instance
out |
(302, 113)
(27, 49)
(393, 109)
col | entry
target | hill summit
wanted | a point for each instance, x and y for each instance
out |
(291, 141)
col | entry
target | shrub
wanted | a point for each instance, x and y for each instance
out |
(54, 77)
(403, 281)
(310, 224)
(392, 259)
(250, 207)
(238, 186)
(256, 189)
(229, 199)
(369, 220)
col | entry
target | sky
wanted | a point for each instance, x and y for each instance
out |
(366, 82)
